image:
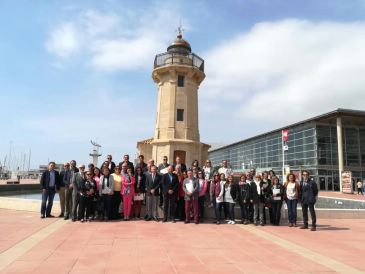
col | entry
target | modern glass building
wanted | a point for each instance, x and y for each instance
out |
(313, 145)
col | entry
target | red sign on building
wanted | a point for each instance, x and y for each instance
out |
(285, 134)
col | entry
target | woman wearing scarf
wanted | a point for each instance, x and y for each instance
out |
(127, 191)
(106, 187)
(203, 184)
(213, 185)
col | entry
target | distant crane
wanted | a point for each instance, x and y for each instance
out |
(95, 154)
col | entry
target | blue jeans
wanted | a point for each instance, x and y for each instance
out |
(230, 210)
(292, 210)
(244, 211)
(47, 207)
(218, 210)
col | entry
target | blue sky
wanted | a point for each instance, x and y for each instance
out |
(72, 71)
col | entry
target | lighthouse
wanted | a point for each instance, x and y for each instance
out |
(178, 74)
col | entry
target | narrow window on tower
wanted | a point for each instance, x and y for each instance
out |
(180, 115)
(180, 80)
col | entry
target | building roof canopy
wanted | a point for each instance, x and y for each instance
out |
(349, 117)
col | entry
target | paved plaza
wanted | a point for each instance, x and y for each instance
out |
(31, 245)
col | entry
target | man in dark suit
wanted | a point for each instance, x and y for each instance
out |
(164, 164)
(141, 164)
(78, 180)
(169, 184)
(65, 190)
(111, 164)
(161, 167)
(126, 160)
(308, 193)
(50, 180)
(153, 180)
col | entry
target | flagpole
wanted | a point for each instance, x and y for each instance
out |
(282, 147)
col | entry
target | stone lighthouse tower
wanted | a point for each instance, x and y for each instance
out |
(178, 74)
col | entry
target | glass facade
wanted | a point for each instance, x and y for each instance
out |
(311, 146)
(353, 153)
(265, 151)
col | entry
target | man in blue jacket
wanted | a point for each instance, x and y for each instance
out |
(308, 193)
(50, 180)
(169, 184)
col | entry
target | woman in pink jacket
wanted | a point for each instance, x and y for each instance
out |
(127, 192)
(203, 185)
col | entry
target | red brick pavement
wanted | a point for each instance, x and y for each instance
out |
(150, 247)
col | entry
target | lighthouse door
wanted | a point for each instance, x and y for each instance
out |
(181, 154)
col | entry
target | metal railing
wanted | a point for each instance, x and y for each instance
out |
(169, 58)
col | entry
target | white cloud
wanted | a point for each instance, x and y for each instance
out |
(63, 40)
(109, 41)
(282, 72)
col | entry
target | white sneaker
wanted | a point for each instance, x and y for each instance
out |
(229, 222)
(233, 222)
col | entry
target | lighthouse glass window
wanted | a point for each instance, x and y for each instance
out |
(180, 115)
(180, 80)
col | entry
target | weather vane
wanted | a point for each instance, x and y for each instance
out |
(94, 143)
(180, 29)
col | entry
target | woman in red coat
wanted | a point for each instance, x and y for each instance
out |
(127, 192)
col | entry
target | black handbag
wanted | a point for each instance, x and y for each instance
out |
(268, 199)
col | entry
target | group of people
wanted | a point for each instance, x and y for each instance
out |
(112, 192)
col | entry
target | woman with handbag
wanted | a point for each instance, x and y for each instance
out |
(127, 191)
(139, 192)
(87, 194)
(277, 200)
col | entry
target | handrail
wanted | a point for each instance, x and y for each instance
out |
(169, 58)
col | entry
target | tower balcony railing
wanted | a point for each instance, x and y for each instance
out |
(169, 58)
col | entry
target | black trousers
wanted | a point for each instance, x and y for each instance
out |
(250, 212)
(305, 207)
(214, 203)
(107, 201)
(276, 212)
(116, 200)
(161, 199)
(201, 202)
(85, 207)
(169, 206)
(244, 211)
(180, 209)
